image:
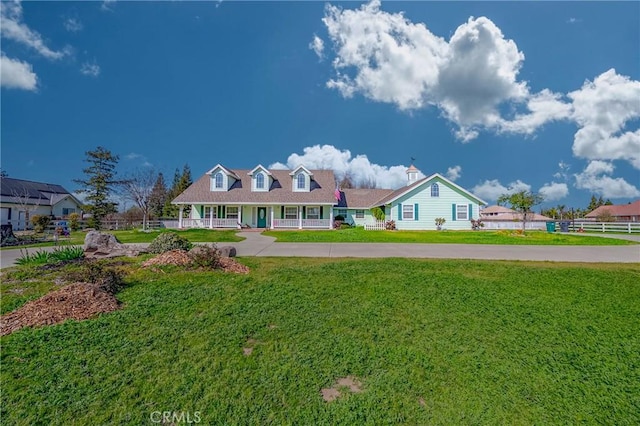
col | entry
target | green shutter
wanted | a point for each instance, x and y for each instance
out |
(415, 211)
(281, 212)
(470, 211)
(453, 211)
(224, 212)
(201, 212)
(399, 211)
(321, 212)
(304, 212)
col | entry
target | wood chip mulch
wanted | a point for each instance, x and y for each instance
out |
(181, 258)
(77, 301)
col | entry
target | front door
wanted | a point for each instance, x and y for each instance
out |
(262, 217)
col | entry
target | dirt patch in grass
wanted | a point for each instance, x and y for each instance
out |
(77, 301)
(349, 383)
(248, 346)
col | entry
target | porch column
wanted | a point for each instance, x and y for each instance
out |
(299, 217)
(180, 216)
(271, 216)
(330, 217)
(239, 217)
(211, 217)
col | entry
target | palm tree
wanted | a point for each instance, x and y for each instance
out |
(561, 209)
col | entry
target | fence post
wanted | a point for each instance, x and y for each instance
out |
(629, 227)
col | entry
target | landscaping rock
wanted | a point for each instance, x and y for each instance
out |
(227, 251)
(102, 245)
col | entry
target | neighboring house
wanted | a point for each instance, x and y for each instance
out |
(619, 212)
(500, 217)
(22, 199)
(307, 199)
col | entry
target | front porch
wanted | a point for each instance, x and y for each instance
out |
(265, 217)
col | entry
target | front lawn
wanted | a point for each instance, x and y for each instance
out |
(430, 342)
(359, 235)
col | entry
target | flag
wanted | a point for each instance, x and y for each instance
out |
(336, 194)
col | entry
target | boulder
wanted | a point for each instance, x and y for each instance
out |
(227, 251)
(101, 245)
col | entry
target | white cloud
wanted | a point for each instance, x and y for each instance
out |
(554, 191)
(358, 168)
(13, 28)
(492, 189)
(90, 69)
(602, 109)
(107, 5)
(72, 25)
(595, 178)
(454, 173)
(543, 107)
(317, 45)
(15, 74)
(563, 171)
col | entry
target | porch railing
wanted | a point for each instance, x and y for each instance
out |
(315, 223)
(207, 223)
(286, 223)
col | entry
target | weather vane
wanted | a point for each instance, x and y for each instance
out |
(413, 159)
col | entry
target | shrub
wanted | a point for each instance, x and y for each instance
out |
(96, 273)
(440, 221)
(390, 225)
(40, 222)
(67, 253)
(168, 241)
(339, 218)
(74, 221)
(378, 213)
(205, 256)
(40, 257)
(476, 224)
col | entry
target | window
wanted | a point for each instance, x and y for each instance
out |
(407, 211)
(232, 212)
(313, 212)
(208, 211)
(66, 212)
(301, 181)
(291, 212)
(259, 181)
(359, 214)
(219, 180)
(462, 212)
(342, 212)
(435, 190)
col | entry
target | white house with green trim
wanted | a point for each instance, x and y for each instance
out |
(308, 199)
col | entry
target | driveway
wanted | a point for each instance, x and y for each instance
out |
(256, 244)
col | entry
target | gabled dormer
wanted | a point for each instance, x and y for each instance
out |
(261, 179)
(221, 178)
(301, 179)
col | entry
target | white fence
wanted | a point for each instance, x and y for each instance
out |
(376, 226)
(205, 223)
(617, 227)
(512, 225)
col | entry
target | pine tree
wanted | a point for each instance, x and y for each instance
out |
(158, 196)
(99, 184)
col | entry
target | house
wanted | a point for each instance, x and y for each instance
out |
(618, 212)
(500, 217)
(308, 199)
(22, 199)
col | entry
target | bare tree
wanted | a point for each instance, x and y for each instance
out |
(138, 187)
(26, 203)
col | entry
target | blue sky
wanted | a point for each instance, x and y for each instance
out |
(499, 96)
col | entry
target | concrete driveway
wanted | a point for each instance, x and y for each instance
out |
(256, 244)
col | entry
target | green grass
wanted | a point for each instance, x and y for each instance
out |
(137, 236)
(478, 342)
(359, 235)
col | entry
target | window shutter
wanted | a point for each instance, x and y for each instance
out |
(453, 212)
(321, 212)
(304, 212)
(282, 212)
(399, 211)
(470, 211)
(415, 208)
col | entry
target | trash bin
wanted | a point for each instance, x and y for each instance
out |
(564, 226)
(551, 227)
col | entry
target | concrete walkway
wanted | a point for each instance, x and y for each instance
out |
(256, 244)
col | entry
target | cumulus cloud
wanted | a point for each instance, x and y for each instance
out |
(602, 109)
(13, 28)
(358, 168)
(15, 74)
(596, 179)
(317, 45)
(554, 191)
(454, 173)
(90, 69)
(493, 189)
(72, 25)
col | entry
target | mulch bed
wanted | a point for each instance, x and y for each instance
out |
(77, 301)
(182, 258)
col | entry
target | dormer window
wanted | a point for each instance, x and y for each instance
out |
(260, 181)
(301, 181)
(219, 180)
(435, 190)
